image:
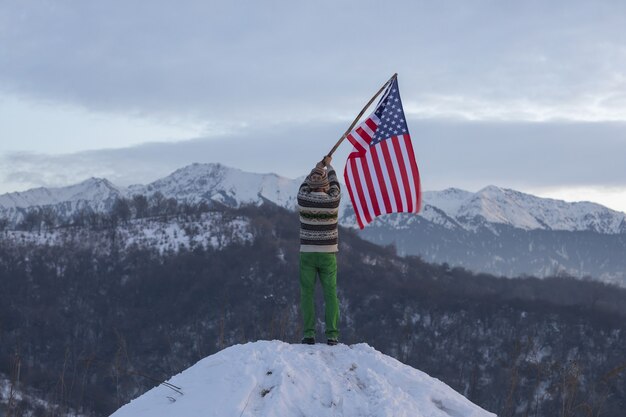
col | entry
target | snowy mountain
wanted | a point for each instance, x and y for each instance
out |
(452, 207)
(95, 194)
(194, 183)
(276, 379)
(229, 186)
(494, 205)
(95, 191)
(491, 205)
(494, 230)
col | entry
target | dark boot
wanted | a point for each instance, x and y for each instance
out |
(332, 342)
(308, 341)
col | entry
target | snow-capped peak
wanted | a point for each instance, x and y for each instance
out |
(227, 185)
(496, 205)
(92, 189)
(525, 211)
(448, 200)
(276, 379)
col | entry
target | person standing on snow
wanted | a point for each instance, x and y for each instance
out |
(318, 205)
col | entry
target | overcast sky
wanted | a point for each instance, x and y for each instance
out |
(522, 94)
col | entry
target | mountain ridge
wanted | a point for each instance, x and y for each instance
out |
(495, 230)
(233, 187)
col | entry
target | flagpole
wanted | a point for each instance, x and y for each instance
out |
(369, 103)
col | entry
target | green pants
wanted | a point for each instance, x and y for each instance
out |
(324, 264)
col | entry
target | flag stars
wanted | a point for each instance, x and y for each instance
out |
(391, 117)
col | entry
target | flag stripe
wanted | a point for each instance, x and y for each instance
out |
(362, 181)
(415, 172)
(409, 173)
(359, 190)
(357, 142)
(392, 175)
(371, 189)
(371, 123)
(382, 181)
(368, 129)
(406, 189)
(397, 171)
(375, 184)
(355, 202)
(363, 134)
(364, 142)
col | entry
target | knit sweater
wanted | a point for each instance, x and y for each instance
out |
(318, 216)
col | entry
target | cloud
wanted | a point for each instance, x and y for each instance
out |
(283, 61)
(521, 155)
(54, 128)
(612, 197)
(465, 154)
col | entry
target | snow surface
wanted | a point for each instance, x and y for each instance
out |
(276, 379)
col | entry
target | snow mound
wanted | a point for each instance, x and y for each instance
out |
(279, 379)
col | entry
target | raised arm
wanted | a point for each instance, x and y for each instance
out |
(335, 189)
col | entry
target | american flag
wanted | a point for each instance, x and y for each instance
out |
(381, 173)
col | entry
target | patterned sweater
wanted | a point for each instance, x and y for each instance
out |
(318, 216)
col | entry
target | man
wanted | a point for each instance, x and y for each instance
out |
(318, 204)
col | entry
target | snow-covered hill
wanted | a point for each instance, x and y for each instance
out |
(211, 229)
(276, 379)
